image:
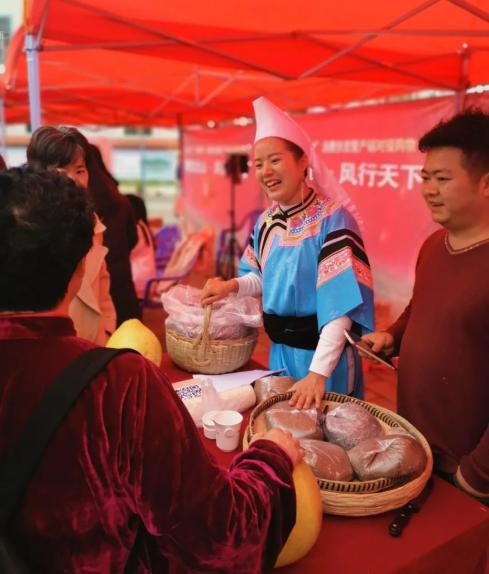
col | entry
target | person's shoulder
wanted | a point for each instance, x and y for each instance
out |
(337, 216)
(131, 377)
(262, 217)
(133, 365)
(432, 246)
(122, 366)
(129, 362)
(433, 240)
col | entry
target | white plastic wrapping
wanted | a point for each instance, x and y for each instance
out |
(200, 396)
(231, 318)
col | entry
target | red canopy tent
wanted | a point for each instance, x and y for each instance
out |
(118, 62)
(122, 62)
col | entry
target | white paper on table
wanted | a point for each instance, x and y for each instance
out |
(233, 380)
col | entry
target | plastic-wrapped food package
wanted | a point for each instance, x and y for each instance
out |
(301, 423)
(231, 318)
(327, 461)
(348, 424)
(200, 396)
(391, 456)
(272, 385)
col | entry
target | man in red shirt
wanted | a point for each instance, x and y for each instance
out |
(126, 477)
(442, 337)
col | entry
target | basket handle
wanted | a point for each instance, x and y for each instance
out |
(201, 343)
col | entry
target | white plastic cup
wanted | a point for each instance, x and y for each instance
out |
(227, 425)
(208, 424)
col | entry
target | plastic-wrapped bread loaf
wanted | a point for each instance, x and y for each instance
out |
(301, 423)
(199, 399)
(348, 424)
(391, 456)
(327, 461)
(272, 385)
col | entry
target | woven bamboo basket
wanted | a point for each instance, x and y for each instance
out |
(206, 355)
(357, 498)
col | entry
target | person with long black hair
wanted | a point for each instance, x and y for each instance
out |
(92, 310)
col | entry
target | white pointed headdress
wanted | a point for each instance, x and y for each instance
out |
(271, 121)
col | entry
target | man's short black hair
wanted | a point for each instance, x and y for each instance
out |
(467, 131)
(46, 228)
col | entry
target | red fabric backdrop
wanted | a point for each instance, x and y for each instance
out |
(373, 153)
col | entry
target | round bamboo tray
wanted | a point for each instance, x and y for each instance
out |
(206, 355)
(357, 498)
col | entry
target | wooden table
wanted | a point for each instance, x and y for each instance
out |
(450, 535)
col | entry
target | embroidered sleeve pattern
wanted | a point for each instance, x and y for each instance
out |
(342, 250)
(249, 257)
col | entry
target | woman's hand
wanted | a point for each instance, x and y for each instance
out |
(308, 391)
(378, 341)
(216, 289)
(285, 440)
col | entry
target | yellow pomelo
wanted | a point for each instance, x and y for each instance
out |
(309, 517)
(133, 334)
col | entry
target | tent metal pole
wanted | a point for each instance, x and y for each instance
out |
(143, 167)
(461, 93)
(32, 52)
(459, 101)
(3, 131)
(180, 152)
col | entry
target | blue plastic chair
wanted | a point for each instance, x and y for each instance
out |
(166, 239)
(151, 298)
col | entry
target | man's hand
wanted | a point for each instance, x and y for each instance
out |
(378, 341)
(285, 440)
(308, 391)
(216, 289)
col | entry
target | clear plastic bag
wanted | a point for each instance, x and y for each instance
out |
(348, 424)
(231, 318)
(271, 385)
(327, 461)
(301, 423)
(200, 396)
(211, 401)
(391, 456)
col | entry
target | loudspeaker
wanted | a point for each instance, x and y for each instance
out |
(236, 164)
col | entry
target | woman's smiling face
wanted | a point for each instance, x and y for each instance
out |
(278, 171)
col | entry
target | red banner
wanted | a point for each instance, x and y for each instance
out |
(373, 153)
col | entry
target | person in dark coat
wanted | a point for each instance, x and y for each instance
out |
(47, 149)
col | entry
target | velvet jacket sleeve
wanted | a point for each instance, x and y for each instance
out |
(197, 513)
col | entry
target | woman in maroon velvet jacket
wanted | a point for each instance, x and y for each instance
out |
(126, 477)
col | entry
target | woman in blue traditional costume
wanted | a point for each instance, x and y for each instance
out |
(307, 259)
